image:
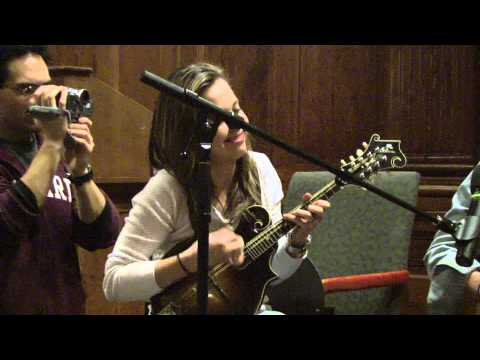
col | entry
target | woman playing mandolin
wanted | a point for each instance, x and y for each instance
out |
(142, 263)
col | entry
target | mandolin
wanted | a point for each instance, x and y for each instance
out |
(240, 290)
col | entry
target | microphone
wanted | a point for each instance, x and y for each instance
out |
(469, 230)
(190, 97)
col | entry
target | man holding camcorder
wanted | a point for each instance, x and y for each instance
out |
(48, 200)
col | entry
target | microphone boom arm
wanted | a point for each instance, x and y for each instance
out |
(235, 121)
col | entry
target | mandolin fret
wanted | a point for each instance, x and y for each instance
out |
(269, 237)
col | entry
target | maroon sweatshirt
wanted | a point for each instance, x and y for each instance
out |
(39, 269)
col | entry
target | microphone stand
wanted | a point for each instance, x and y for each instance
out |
(234, 121)
(205, 134)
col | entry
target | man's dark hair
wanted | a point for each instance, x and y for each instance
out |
(12, 52)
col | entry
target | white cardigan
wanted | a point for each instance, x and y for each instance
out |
(159, 220)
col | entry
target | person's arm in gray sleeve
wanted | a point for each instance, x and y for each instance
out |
(447, 287)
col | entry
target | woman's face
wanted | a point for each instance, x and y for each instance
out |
(228, 144)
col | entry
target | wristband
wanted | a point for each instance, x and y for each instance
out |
(82, 179)
(304, 246)
(298, 252)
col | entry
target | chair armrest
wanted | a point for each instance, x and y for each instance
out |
(365, 281)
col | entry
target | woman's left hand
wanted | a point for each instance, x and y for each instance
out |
(306, 219)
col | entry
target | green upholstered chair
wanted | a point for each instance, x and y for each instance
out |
(361, 247)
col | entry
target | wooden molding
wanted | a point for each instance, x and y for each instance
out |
(70, 71)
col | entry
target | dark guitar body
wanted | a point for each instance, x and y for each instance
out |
(231, 291)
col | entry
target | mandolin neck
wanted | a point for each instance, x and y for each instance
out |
(264, 241)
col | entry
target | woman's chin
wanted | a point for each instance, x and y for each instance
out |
(231, 154)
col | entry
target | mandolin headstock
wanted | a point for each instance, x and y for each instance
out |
(377, 155)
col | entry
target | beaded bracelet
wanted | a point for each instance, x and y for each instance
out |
(184, 268)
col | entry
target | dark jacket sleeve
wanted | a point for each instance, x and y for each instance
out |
(16, 220)
(100, 234)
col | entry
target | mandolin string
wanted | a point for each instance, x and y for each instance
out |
(262, 238)
(277, 226)
(257, 241)
(265, 235)
(331, 187)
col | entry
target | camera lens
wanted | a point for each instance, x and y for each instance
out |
(78, 103)
(81, 95)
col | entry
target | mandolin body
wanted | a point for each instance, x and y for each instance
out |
(231, 290)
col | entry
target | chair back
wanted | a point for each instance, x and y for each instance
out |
(361, 233)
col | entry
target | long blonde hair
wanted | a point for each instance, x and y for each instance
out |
(173, 131)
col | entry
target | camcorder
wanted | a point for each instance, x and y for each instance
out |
(78, 104)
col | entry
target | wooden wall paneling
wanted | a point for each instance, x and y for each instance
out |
(107, 64)
(158, 59)
(354, 94)
(337, 99)
(248, 68)
(72, 55)
(215, 55)
(454, 102)
(316, 103)
(103, 59)
(430, 99)
(122, 128)
(190, 54)
(284, 109)
(403, 83)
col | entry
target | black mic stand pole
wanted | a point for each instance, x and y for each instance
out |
(205, 134)
(235, 121)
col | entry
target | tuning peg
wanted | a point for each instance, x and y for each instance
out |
(343, 162)
(365, 145)
(359, 153)
(352, 158)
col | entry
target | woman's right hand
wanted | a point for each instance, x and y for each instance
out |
(225, 246)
